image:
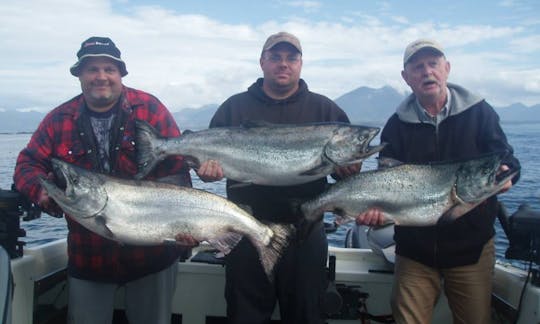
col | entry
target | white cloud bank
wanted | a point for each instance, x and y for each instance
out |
(190, 60)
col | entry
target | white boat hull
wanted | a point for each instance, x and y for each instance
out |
(200, 286)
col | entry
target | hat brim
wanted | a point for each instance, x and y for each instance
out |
(76, 68)
(423, 49)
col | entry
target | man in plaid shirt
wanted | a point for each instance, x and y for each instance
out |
(96, 130)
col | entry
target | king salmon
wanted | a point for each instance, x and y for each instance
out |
(414, 194)
(273, 155)
(152, 213)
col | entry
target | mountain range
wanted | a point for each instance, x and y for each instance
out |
(363, 105)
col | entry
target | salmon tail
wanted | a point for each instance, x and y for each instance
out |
(147, 158)
(270, 253)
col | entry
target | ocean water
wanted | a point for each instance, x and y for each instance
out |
(524, 137)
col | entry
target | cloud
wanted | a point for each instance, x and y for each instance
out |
(308, 6)
(189, 60)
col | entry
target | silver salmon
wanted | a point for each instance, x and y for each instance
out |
(152, 213)
(415, 195)
(271, 155)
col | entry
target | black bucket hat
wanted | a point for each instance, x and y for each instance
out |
(98, 46)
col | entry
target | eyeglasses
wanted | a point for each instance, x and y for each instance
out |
(276, 58)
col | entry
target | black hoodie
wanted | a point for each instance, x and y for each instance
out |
(274, 203)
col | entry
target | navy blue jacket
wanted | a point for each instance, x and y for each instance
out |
(471, 129)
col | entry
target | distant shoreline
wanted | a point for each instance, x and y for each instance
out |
(15, 133)
(365, 122)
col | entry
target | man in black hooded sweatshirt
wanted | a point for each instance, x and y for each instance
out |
(280, 97)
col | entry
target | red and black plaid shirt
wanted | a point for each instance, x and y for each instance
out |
(64, 134)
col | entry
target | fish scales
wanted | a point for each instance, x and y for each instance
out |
(147, 209)
(150, 213)
(416, 195)
(267, 155)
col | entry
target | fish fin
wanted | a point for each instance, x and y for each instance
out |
(105, 231)
(146, 158)
(450, 216)
(256, 123)
(240, 185)
(351, 162)
(169, 241)
(386, 162)
(316, 170)
(458, 209)
(456, 212)
(270, 254)
(225, 243)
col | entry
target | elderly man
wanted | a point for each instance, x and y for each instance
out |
(95, 130)
(442, 121)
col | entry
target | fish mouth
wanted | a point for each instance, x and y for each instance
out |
(74, 191)
(482, 178)
(59, 189)
(368, 149)
(63, 180)
(59, 174)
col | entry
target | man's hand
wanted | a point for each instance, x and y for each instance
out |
(371, 217)
(210, 171)
(46, 203)
(508, 184)
(348, 170)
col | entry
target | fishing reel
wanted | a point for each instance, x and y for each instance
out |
(523, 234)
(13, 205)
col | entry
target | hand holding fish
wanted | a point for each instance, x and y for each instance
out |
(153, 213)
(371, 217)
(414, 194)
(262, 154)
(348, 170)
(502, 169)
(46, 203)
(186, 240)
(210, 170)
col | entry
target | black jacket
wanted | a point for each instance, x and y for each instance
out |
(471, 129)
(272, 202)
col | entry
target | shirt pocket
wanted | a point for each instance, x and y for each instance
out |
(127, 155)
(71, 152)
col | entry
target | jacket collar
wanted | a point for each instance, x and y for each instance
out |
(462, 99)
(256, 90)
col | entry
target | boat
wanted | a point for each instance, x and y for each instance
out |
(360, 274)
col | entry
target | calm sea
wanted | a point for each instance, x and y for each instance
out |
(524, 137)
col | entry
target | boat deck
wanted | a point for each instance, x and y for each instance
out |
(361, 276)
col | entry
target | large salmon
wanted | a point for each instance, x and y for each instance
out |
(264, 154)
(414, 194)
(150, 213)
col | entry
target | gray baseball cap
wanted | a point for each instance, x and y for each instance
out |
(419, 45)
(282, 37)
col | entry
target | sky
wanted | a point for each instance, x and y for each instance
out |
(191, 53)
